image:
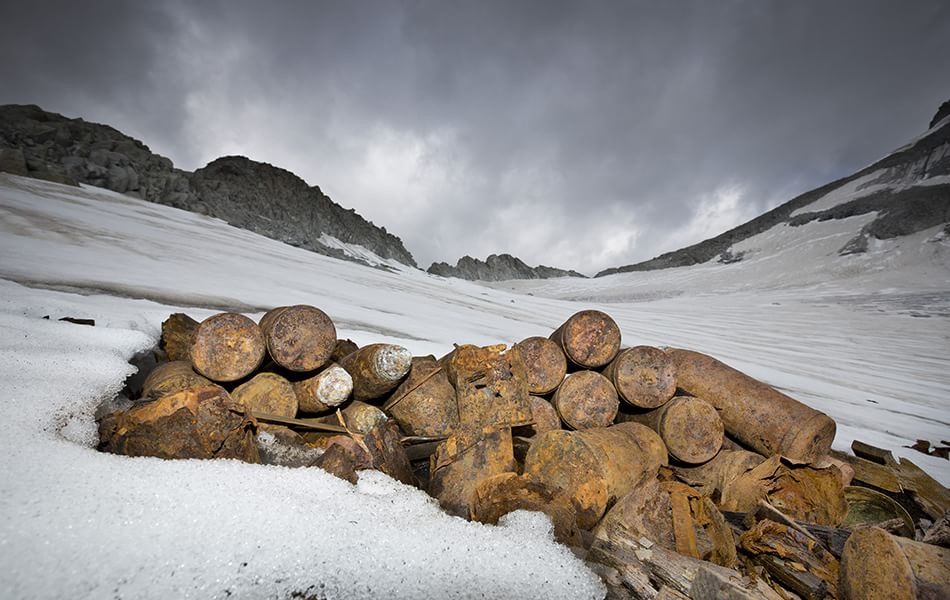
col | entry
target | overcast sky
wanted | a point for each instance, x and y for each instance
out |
(577, 135)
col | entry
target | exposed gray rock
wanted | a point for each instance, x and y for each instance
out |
(497, 267)
(248, 194)
(902, 212)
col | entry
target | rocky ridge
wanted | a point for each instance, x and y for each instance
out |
(247, 194)
(497, 267)
(903, 204)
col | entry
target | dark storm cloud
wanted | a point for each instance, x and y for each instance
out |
(579, 135)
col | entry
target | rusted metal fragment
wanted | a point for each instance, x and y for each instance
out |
(590, 338)
(802, 492)
(171, 377)
(676, 517)
(300, 338)
(465, 458)
(267, 393)
(714, 476)
(690, 428)
(227, 347)
(756, 414)
(545, 364)
(178, 331)
(795, 560)
(876, 564)
(424, 404)
(388, 454)
(586, 399)
(868, 507)
(324, 391)
(199, 422)
(342, 460)
(501, 494)
(491, 386)
(643, 375)
(357, 417)
(544, 417)
(376, 369)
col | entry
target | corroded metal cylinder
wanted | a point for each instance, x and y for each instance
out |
(267, 393)
(424, 403)
(594, 467)
(643, 375)
(227, 347)
(545, 364)
(300, 338)
(544, 415)
(343, 348)
(590, 339)
(756, 414)
(586, 399)
(324, 391)
(876, 564)
(690, 428)
(376, 369)
(358, 417)
(171, 377)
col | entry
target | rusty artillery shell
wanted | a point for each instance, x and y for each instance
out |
(586, 399)
(877, 565)
(590, 339)
(358, 417)
(300, 338)
(327, 389)
(177, 332)
(545, 364)
(424, 404)
(756, 414)
(267, 393)
(594, 467)
(171, 377)
(343, 348)
(227, 347)
(643, 375)
(690, 428)
(376, 369)
(463, 460)
(491, 386)
(544, 415)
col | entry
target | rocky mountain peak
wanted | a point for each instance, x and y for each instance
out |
(497, 267)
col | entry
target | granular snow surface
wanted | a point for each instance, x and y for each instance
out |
(865, 341)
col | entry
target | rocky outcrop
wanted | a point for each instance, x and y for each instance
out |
(903, 209)
(247, 194)
(497, 267)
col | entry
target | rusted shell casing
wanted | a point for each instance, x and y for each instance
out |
(590, 339)
(300, 338)
(376, 369)
(594, 467)
(756, 414)
(876, 564)
(545, 364)
(501, 494)
(199, 422)
(343, 348)
(424, 403)
(227, 347)
(178, 331)
(491, 387)
(267, 393)
(643, 375)
(358, 417)
(544, 416)
(463, 460)
(690, 428)
(676, 517)
(586, 399)
(171, 377)
(324, 391)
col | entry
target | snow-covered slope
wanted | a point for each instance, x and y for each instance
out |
(864, 341)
